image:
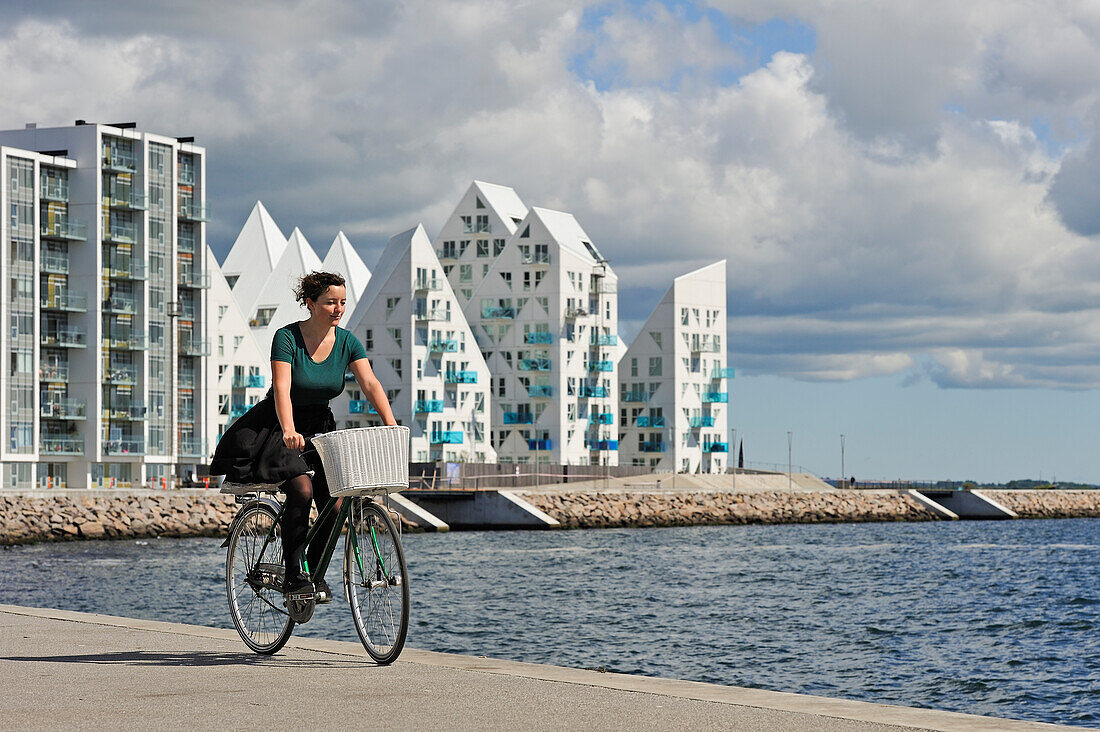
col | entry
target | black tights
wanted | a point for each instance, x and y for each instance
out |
(300, 492)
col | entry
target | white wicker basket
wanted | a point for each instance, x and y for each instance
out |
(365, 460)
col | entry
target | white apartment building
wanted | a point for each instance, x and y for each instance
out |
(475, 234)
(545, 316)
(105, 285)
(343, 259)
(252, 258)
(424, 354)
(673, 380)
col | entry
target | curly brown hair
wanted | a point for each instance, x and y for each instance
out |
(314, 284)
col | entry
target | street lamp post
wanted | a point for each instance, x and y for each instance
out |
(842, 472)
(789, 440)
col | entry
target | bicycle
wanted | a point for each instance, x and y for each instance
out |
(358, 463)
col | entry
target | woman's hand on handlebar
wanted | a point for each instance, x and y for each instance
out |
(294, 441)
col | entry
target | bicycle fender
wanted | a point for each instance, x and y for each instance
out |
(271, 503)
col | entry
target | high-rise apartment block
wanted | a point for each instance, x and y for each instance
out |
(673, 380)
(105, 251)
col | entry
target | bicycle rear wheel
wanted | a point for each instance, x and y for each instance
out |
(376, 580)
(254, 578)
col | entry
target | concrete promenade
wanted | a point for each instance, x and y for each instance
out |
(68, 670)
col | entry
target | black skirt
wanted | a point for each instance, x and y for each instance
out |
(252, 449)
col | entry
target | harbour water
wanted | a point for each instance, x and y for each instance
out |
(995, 618)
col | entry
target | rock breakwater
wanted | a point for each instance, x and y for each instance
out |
(1049, 503)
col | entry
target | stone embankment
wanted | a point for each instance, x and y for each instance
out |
(628, 509)
(1049, 503)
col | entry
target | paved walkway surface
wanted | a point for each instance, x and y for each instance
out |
(67, 670)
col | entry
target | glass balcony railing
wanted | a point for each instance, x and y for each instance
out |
(536, 258)
(69, 337)
(67, 301)
(705, 347)
(477, 227)
(249, 381)
(118, 160)
(605, 340)
(601, 366)
(722, 373)
(428, 406)
(716, 447)
(55, 373)
(540, 391)
(194, 280)
(646, 420)
(192, 446)
(602, 444)
(432, 314)
(193, 211)
(540, 444)
(61, 445)
(573, 313)
(119, 232)
(186, 414)
(427, 284)
(588, 391)
(447, 253)
(119, 304)
(446, 437)
(461, 377)
(186, 380)
(534, 364)
(55, 263)
(125, 342)
(635, 395)
(538, 337)
(652, 447)
(120, 376)
(65, 409)
(132, 200)
(443, 345)
(124, 270)
(704, 421)
(186, 176)
(128, 413)
(601, 418)
(361, 406)
(498, 313)
(68, 230)
(716, 397)
(519, 418)
(238, 409)
(54, 189)
(604, 286)
(126, 446)
(186, 243)
(194, 347)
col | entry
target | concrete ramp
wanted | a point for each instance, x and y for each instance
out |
(417, 515)
(964, 504)
(934, 506)
(485, 509)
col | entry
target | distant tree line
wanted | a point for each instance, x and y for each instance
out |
(1027, 484)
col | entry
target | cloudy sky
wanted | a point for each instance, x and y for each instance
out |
(907, 192)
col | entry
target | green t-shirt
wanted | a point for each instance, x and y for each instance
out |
(312, 382)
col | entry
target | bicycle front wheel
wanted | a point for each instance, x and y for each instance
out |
(376, 580)
(253, 580)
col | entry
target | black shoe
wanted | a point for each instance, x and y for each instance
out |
(298, 588)
(324, 592)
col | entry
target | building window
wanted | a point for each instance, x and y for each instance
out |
(498, 247)
(465, 272)
(655, 366)
(368, 339)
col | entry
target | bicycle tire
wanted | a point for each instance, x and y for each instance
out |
(378, 593)
(253, 580)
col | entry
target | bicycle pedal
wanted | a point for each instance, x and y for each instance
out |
(323, 598)
(300, 597)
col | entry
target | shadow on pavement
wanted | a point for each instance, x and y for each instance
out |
(193, 658)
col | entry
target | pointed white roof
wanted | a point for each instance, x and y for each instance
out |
(391, 257)
(253, 256)
(504, 200)
(344, 260)
(567, 231)
(278, 292)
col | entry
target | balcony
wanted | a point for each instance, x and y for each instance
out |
(186, 380)
(588, 391)
(716, 397)
(61, 445)
(239, 409)
(704, 421)
(461, 377)
(705, 347)
(446, 437)
(433, 314)
(120, 376)
(722, 373)
(187, 176)
(538, 337)
(193, 280)
(361, 406)
(574, 313)
(716, 447)
(65, 409)
(534, 364)
(428, 406)
(186, 414)
(443, 345)
(602, 444)
(67, 230)
(447, 253)
(119, 233)
(124, 270)
(605, 340)
(249, 381)
(120, 305)
(636, 395)
(601, 418)
(70, 337)
(427, 284)
(134, 201)
(54, 189)
(540, 444)
(128, 446)
(191, 211)
(519, 418)
(648, 421)
(194, 347)
(652, 447)
(70, 302)
(186, 243)
(604, 286)
(498, 313)
(542, 258)
(601, 366)
(192, 447)
(54, 373)
(477, 227)
(122, 342)
(118, 161)
(130, 413)
(540, 391)
(55, 264)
